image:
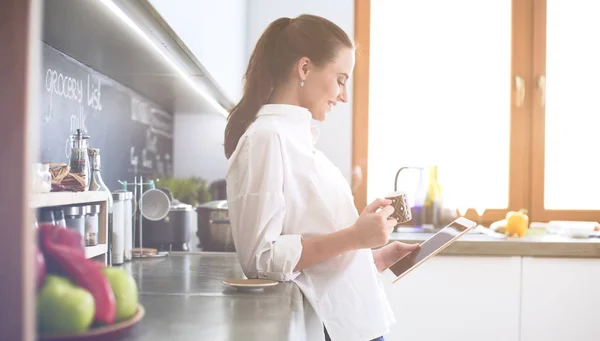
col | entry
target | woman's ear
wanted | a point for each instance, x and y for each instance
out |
(303, 67)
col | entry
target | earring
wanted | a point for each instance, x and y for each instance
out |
(302, 83)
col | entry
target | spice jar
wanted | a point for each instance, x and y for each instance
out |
(75, 219)
(46, 216)
(59, 218)
(91, 225)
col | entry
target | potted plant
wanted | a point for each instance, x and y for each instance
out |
(192, 190)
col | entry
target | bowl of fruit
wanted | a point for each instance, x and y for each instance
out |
(78, 298)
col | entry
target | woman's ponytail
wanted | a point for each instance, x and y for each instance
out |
(258, 85)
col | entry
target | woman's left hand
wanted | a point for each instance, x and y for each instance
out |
(387, 255)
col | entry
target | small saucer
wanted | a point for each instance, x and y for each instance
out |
(250, 284)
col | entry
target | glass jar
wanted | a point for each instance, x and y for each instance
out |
(42, 179)
(91, 225)
(46, 216)
(75, 219)
(118, 232)
(79, 161)
(59, 217)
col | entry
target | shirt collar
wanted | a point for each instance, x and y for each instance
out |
(292, 113)
(286, 110)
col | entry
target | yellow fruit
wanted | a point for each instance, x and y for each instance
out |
(517, 223)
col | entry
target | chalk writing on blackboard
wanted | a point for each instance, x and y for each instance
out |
(64, 86)
(151, 141)
(93, 95)
(159, 121)
(72, 89)
(133, 159)
(133, 140)
(78, 120)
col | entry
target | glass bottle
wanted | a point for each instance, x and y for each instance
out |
(433, 199)
(418, 209)
(97, 184)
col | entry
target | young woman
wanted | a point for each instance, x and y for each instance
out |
(291, 210)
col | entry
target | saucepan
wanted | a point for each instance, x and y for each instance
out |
(214, 228)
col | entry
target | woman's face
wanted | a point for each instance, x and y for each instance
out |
(326, 86)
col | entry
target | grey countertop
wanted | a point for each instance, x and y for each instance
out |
(476, 244)
(185, 299)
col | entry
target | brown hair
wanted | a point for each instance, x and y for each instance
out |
(281, 45)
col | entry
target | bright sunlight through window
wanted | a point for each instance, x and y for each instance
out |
(572, 108)
(440, 95)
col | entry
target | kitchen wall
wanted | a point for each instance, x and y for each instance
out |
(198, 146)
(224, 47)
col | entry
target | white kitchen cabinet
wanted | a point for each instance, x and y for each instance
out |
(457, 298)
(560, 299)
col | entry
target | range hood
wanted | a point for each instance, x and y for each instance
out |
(129, 42)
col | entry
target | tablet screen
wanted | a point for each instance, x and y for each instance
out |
(429, 247)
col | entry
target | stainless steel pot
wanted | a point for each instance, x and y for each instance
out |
(214, 228)
(173, 232)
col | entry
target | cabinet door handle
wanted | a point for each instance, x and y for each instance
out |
(542, 86)
(520, 86)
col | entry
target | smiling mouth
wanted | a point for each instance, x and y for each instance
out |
(331, 105)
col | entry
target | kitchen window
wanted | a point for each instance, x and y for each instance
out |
(499, 94)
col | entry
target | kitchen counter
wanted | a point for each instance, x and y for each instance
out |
(475, 244)
(185, 299)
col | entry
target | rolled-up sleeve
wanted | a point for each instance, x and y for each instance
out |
(257, 209)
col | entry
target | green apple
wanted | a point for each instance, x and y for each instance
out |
(63, 307)
(125, 290)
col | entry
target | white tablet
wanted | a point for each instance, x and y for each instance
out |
(431, 247)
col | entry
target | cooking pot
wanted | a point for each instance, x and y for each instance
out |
(218, 190)
(173, 232)
(214, 228)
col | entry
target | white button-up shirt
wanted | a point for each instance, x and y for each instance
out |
(280, 189)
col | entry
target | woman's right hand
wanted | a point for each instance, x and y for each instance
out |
(373, 228)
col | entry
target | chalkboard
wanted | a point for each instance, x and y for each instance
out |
(134, 135)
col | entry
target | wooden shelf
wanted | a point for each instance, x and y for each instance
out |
(95, 251)
(98, 252)
(66, 198)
